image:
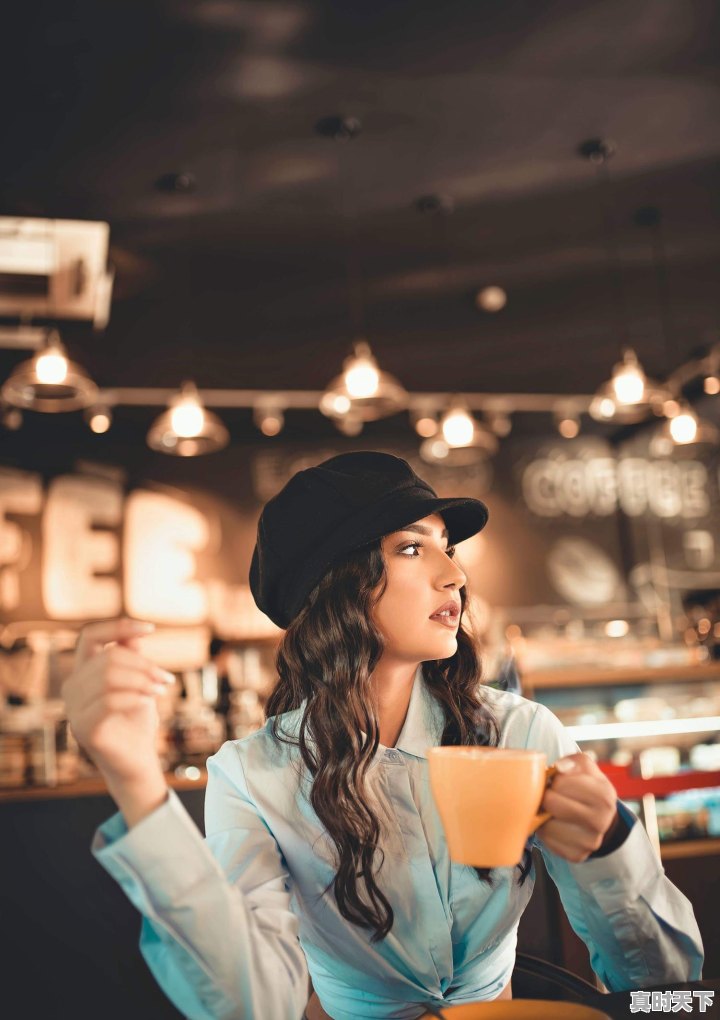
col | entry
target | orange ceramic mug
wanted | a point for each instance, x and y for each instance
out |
(488, 799)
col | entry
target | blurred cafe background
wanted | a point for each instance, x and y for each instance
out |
(240, 236)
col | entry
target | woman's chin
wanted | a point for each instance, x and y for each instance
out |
(444, 649)
(443, 646)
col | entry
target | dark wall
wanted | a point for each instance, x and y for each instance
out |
(70, 934)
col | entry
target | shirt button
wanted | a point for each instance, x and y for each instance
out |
(392, 756)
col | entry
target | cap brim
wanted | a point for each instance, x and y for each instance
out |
(464, 516)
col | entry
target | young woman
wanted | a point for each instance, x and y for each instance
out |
(324, 854)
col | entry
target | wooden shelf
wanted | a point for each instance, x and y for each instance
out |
(689, 848)
(89, 787)
(589, 676)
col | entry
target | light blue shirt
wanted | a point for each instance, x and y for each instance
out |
(231, 924)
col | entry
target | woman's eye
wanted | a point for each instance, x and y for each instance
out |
(415, 546)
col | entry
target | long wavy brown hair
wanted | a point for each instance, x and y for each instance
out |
(326, 658)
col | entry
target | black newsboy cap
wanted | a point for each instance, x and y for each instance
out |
(325, 512)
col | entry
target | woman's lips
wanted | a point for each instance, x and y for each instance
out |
(447, 619)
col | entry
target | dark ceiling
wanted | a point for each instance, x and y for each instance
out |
(290, 243)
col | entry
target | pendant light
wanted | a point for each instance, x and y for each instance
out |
(682, 427)
(711, 371)
(629, 396)
(49, 381)
(462, 439)
(362, 392)
(683, 430)
(99, 418)
(187, 429)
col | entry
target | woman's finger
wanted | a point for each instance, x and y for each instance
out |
(95, 636)
(125, 701)
(568, 840)
(591, 791)
(122, 657)
(116, 668)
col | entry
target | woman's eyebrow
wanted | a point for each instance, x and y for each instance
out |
(422, 529)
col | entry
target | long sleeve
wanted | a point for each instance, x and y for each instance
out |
(638, 927)
(217, 931)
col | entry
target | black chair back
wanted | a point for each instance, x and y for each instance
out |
(533, 978)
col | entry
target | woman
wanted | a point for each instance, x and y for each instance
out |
(324, 852)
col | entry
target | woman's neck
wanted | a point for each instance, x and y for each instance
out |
(393, 684)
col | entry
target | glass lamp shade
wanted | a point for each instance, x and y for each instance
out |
(187, 429)
(72, 390)
(363, 391)
(163, 439)
(606, 407)
(436, 450)
(672, 440)
(629, 396)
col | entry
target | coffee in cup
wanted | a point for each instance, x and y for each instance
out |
(488, 799)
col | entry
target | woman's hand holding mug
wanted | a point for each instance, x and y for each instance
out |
(110, 700)
(582, 803)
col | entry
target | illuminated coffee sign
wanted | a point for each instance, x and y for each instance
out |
(556, 486)
(94, 551)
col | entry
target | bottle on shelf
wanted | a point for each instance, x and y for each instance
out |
(195, 731)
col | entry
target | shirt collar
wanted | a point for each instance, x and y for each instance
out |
(423, 726)
(424, 722)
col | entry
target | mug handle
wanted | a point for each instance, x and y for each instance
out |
(543, 816)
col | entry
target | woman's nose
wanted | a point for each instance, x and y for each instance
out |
(453, 576)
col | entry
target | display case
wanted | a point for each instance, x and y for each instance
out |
(654, 732)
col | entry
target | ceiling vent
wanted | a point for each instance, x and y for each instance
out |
(55, 269)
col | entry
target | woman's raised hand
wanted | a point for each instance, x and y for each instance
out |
(110, 699)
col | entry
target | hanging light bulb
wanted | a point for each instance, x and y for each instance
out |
(711, 371)
(187, 416)
(363, 390)
(269, 419)
(362, 378)
(681, 429)
(629, 396)
(49, 381)
(424, 418)
(684, 427)
(99, 419)
(628, 380)
(187, 429)
(51, 367)
(567, 422)
(458, 427)
(462, 440)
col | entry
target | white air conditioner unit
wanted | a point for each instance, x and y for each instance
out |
(55, 269)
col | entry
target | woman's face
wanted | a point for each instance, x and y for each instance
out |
(422, 580)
